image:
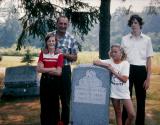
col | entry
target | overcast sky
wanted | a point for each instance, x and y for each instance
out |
(137, 5)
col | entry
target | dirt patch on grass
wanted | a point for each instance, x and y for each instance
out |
(20, 112)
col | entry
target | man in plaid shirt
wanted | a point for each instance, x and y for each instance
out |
(69, 47)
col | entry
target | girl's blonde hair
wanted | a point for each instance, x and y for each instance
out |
(124, 55)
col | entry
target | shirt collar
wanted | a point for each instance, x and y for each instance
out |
(131, 35)
(66, 34)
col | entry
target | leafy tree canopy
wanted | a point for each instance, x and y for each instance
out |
(40, 17)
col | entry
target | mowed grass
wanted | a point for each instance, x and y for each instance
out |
(83, 58)
(9, 61)
(26, 111)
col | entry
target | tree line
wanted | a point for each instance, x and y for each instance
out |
(11, 29)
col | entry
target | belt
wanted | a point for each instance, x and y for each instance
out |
(47, 76)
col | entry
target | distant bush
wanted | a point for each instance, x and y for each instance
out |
(28, 57)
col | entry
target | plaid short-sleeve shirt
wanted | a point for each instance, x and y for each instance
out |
(68, 44)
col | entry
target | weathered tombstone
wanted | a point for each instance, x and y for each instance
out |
(21, 81)
(90, 95)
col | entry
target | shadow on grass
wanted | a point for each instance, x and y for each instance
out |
(153, 118)
(20, 111)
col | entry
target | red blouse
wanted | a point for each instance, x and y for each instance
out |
(51, 60)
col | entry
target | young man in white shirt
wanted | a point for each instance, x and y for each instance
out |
(139, 52)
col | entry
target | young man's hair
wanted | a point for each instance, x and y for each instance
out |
(135, 17)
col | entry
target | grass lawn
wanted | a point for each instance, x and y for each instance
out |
(26, 111)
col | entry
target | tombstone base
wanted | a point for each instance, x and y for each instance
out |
(20, 92)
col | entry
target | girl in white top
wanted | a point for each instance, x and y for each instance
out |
(119, 68)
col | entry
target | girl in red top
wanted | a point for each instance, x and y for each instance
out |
(50, 65)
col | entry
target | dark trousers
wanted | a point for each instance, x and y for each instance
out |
(65, 94)
(137, 77)
(49, 99)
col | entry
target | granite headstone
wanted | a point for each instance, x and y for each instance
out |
(21, 81)
(90, 95)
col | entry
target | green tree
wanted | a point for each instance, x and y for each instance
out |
(28, 57)
(40, 17)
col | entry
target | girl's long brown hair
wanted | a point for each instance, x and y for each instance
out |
(50, 34)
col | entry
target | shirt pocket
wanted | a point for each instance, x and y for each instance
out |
(142, 52)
